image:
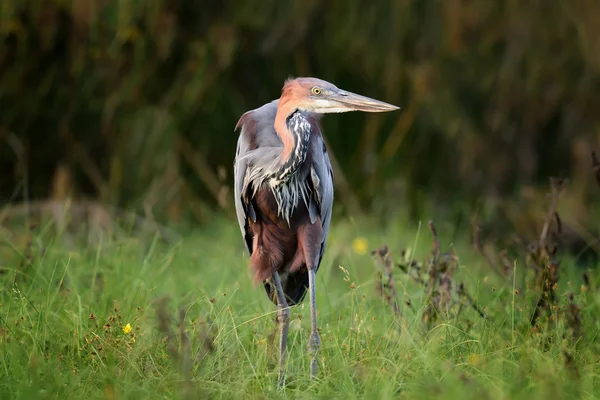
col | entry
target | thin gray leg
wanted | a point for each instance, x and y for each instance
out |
(315, 341)
(283, 315)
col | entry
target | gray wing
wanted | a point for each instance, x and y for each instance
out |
(322, 181)
(242, 207)
(256, 131)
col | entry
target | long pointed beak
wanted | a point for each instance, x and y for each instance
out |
(356, 102)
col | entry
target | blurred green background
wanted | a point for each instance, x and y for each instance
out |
(132, 103)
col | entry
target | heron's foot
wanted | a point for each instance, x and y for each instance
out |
(314, 344)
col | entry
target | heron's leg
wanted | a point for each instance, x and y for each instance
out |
(283, 315)
(315, 341)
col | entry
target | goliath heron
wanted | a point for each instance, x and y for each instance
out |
(284, 193)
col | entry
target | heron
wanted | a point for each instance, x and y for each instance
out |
(283, 188)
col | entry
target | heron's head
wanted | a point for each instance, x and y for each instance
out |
(320, 97)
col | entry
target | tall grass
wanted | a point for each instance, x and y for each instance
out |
(131, 318)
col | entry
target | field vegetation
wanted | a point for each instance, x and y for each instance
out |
(455, 267)
(404, 313)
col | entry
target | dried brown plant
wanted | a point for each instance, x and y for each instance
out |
(179, 347)
(443, 295)
(386, 286)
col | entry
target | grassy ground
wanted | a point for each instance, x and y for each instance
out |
(87, 321)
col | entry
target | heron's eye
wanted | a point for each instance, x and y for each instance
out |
(316, 91)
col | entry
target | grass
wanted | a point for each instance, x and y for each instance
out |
(65, 318)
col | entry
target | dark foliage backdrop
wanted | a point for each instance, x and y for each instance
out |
(133, 103)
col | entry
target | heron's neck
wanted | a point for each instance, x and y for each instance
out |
(294, 130)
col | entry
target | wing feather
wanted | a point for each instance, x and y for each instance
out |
(256, 131)
(322, 182)
(242, 207)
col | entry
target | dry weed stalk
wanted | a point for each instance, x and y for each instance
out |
(574, 321)
(181, 353)
(543, 255)
(546, 279)
(440, 281)
(504, 270)
(386, 286)
(442, 294)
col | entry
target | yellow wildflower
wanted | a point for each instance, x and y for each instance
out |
(127, 329)
(474, 359)
(360, 245)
